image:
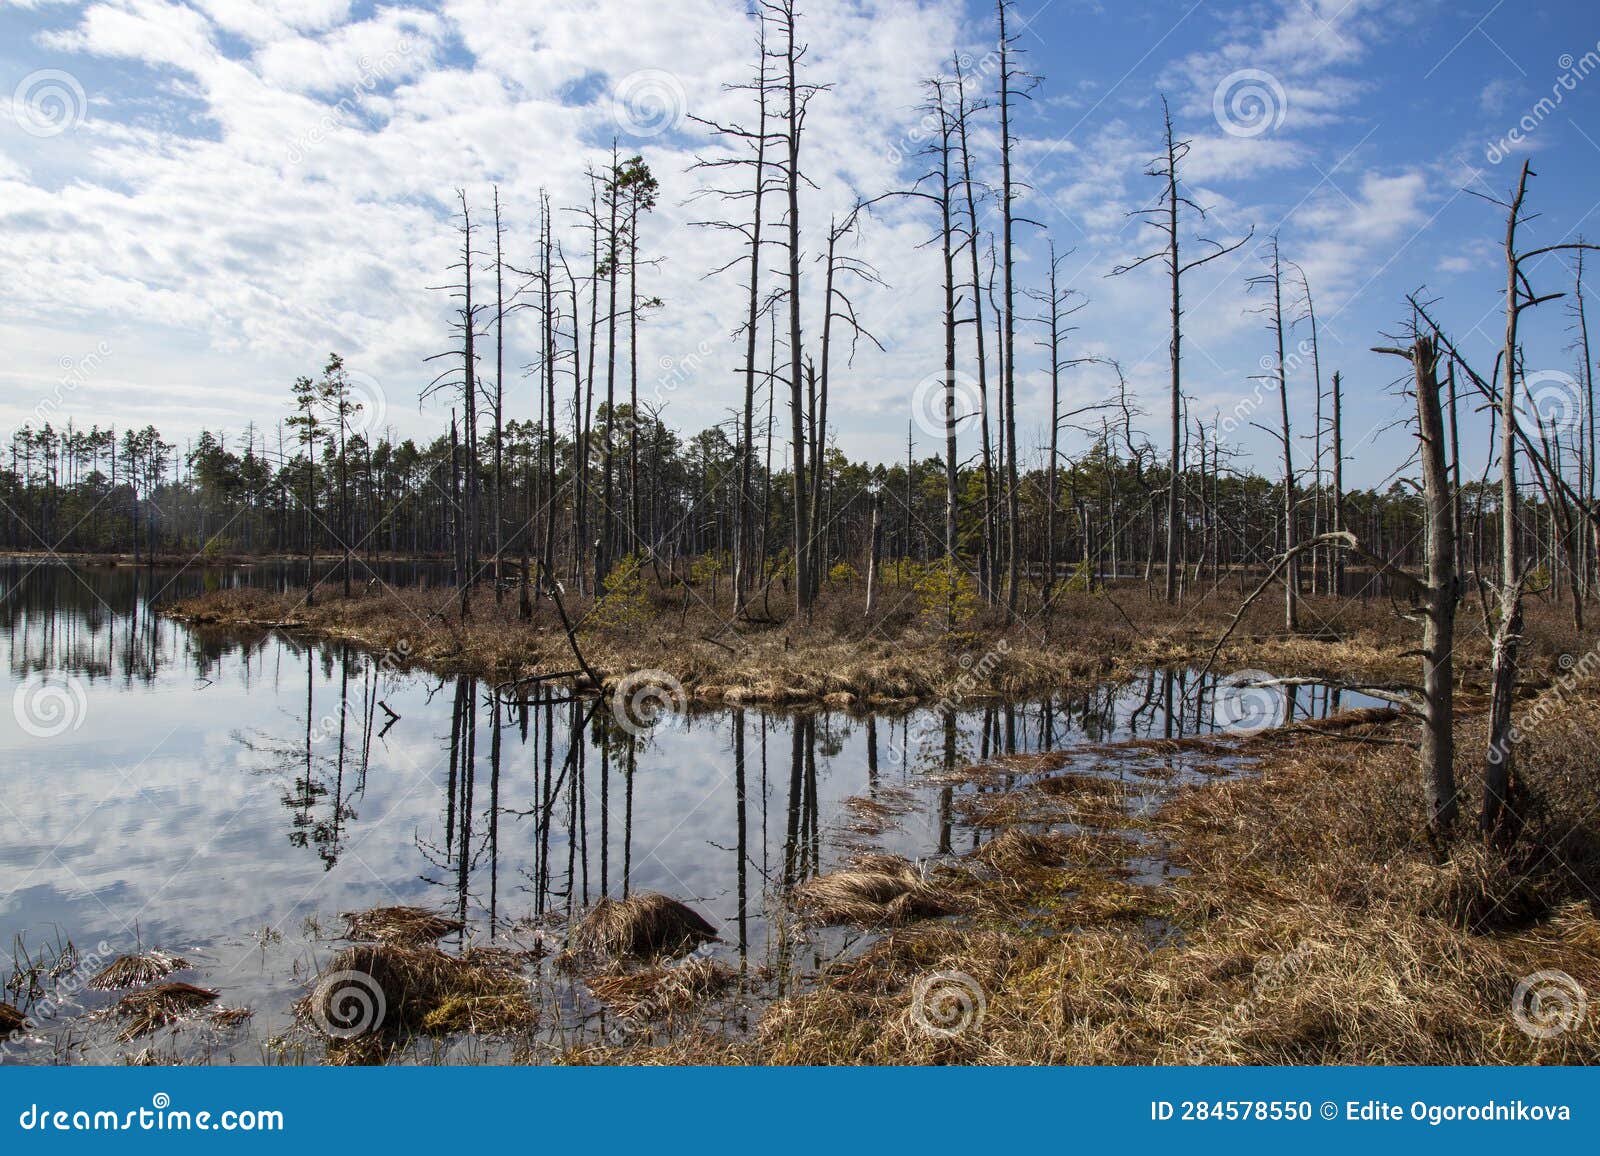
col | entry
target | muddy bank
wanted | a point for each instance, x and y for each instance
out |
(842, 657)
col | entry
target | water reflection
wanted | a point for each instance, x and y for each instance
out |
(218, 789)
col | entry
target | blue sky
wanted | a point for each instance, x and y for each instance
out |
(198, 201)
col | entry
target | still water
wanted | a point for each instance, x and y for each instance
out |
(226, 798)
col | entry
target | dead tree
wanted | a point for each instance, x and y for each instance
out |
(837, 307)
(465, 379)
(1336, 499)
(1274, 310)
(750, 145)
(796, 97)
(499, 394)
(1013, 83)
(1164, 217)
(991, 522)
(1060, 304)
(942, 180)
(606, 543)
(1498, 821)
(1438, 594)
(1586, 460)
(1316, 428)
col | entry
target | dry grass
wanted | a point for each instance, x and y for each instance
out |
(664, 991)
(137, 970)
(231, 1017)
(873, 891)
(11, 1020)
(423, 990)
(873, 814)
(1085, 800)
(1315, 925)
(642, 926)
(151, 1008)
(1016, 851)
(844, 659)
(400, 925)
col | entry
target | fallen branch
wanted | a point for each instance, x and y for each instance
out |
(566, 624)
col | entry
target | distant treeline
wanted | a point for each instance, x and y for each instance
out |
(94, 491)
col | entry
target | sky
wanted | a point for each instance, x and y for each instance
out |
(198, 201)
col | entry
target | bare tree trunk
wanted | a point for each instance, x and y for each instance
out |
(1176, 397)
(948, 254)
(1008, 400)
(1437, 753)
(990, 523)
(802, 529)
(1499, 768)
(1164, 218)
(1316, 436)
(1336, 507)
(745, 508)
(608, 519)
(1586, 479)
(469, 393)
(499, 397)
(875, 540)
(1291, 571)
(548, 552)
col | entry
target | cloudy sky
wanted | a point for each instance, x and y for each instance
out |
(198, 201)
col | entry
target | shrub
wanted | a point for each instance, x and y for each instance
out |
(940, 584)
(625, 600)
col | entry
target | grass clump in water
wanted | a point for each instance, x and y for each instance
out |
(663, 991)
(151, 1008)
(873, 891)
(400, 925)
(645, 925)
(137, 970)
(382, 993)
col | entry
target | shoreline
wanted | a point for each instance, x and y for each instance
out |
(1308, 921)
(843, 659)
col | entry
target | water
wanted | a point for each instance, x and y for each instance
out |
(226, 798)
